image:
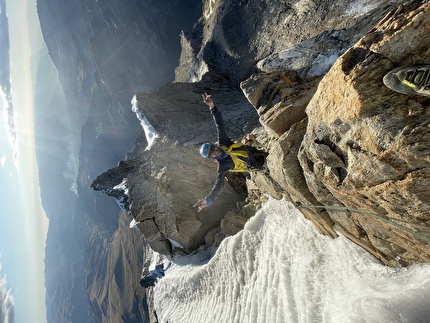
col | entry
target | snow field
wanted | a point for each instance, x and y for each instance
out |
(280, 269)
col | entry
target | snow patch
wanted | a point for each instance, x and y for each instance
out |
(209, 9)
(361, 7)
(133, 224)
(123, 200)
(281, 269)
(122, 186)
(323, 62)
(175, 244)
(149, 130)
(158, 261)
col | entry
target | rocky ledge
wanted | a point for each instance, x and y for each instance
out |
(351, 154)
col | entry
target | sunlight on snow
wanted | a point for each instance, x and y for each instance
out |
(280, 269)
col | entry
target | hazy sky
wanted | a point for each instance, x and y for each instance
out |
(22, 248)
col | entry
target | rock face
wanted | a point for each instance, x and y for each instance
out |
(362, 158)
(111, 276)
(165, 182)
(366, 147)
(233, 36)
(350, 153)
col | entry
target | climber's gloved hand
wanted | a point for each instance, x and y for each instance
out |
(202, 203)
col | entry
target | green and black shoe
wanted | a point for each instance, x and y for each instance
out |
(412, 79)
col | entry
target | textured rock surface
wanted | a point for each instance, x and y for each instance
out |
(352, 154)
(363, 154)
(165, 181)
(163, 192)
(111, 274)
(367, 147)
(280, 97)
(233, 36)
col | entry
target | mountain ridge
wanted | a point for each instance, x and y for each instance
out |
(103, 53)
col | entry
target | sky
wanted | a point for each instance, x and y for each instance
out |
(24, 223)
(281, 269)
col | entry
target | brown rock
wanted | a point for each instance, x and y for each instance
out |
(280, 98)
(232, 223)
(162, 194)
(367, 147)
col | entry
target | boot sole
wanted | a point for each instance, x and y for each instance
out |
(392, 81)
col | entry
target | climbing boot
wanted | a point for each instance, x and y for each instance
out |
(412, 79)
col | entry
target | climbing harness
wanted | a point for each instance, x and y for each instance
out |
(236, 155)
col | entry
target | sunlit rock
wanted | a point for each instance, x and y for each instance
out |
(365, 149)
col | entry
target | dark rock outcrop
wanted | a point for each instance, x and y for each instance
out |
(233, 36)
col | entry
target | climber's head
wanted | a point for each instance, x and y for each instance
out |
(210, 151)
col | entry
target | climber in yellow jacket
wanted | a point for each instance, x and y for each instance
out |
(230, 156)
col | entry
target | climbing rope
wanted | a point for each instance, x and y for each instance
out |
(374, 215)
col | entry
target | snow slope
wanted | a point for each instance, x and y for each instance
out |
(280, 269)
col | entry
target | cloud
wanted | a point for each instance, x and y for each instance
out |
(7, 304)
(9, 121)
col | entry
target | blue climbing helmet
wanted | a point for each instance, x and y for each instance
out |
(205, 150)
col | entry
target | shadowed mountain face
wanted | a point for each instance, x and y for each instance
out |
(103, 53)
